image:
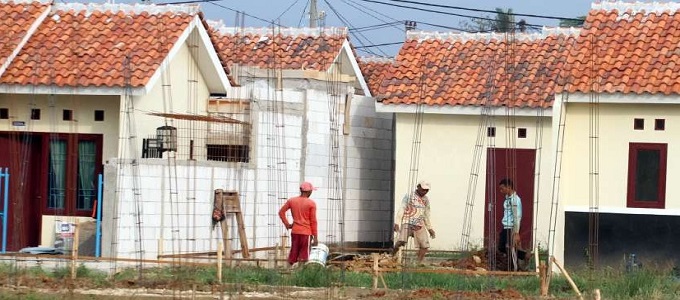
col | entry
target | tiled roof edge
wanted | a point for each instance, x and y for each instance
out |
(376, 59)
(491, 36)
(25, 1)
(637, 7)
(127, 8)
(285, 31)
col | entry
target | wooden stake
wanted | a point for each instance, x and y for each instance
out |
(597, 294)
(74, 252)
(571, 282)
(284, 245)
(219, 262)
(376, 259)
(543, 279)
(277, 256)
(536, 259)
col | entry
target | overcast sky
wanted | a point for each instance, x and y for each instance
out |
(362, 13)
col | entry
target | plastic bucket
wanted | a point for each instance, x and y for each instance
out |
(318, 255)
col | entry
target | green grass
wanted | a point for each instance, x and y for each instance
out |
(657, 283)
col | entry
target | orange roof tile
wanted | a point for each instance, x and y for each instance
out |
(87, 45)
(374, 70)
(478, 69)
(15, 20)
(286, 48)
(627, 48)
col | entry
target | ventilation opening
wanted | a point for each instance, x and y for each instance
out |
(639, 124)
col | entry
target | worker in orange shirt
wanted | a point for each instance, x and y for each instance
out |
(303, 228)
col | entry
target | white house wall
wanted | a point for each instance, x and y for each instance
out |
(446, 156)
(615, 133)
(83, 108)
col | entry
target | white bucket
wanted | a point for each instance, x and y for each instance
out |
(318, 255)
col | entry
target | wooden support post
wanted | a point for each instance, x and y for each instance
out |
(597, 294)
(284, 245)
(536, 259)
(219, 262)
(571, 282)
(543, 278)
(377, 275)
(277, 256)
(74, 252)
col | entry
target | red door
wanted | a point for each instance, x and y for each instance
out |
(519, 166)
(22, 153)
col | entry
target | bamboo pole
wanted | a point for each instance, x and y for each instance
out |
(571, 282)
(543, 279)
(74, 252)
(536, 258)
(375, 258)
(219, 263)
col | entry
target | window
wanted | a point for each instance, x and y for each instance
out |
(67, 115)
(639, 124)
(99, 115)
(647, 175)
(660, 124)
(491, 131)
(35, 114)
(74, 162)
(228, 139)
(522, 133)
(230, 153)
(4, 113)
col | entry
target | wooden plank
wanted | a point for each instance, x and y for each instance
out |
(571, 282)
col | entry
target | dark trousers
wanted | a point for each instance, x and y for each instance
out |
(299, 248)
(504, 244)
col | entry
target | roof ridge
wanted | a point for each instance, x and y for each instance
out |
(376, 59)
(136, 8)
(490, 36)
(285, 31)
(25, 1)
(637, 7)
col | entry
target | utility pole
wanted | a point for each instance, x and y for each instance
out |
(313, 14)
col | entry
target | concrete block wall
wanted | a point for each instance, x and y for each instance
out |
(282, 157)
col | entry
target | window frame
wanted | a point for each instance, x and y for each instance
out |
(72, 157)
(633, 149)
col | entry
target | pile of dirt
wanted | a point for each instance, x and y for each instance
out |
(364, 263)
(478, 261)
(446, 294)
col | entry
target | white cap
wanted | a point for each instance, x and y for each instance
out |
(424, 185)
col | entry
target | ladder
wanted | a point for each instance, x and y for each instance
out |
(228, 203)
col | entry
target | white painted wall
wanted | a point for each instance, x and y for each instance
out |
(51, 116)
(445, 160)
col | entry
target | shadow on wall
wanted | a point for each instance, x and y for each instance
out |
(653, 239)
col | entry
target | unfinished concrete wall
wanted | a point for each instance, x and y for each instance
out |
(291, 130)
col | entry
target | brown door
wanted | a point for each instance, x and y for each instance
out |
(519, 166)
(22, 153)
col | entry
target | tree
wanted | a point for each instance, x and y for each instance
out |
(503, 21)
(577, 22)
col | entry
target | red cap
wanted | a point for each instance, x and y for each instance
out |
(307, 187)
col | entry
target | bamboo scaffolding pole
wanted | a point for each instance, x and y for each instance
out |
(571, 282)
(74, 252)
(14, 256)
(212, 253)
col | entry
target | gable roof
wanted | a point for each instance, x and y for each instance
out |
(463, 69)
(285, 48)
(634, 48)
(17, 20)
(109, 46)
(374, 70)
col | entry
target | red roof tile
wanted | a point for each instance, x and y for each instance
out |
(477, 69)
(286, 48)
(374, 70)
(15, 20)
(80, 45)
(627, 48)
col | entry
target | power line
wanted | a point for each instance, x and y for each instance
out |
(373, 27)
(243, 12)
(302, 16)
(439, 12)
(356, 6)
(287, 9)
(378, 45)
(347, 23)
(484, 10)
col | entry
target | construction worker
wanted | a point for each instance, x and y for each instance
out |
(509, 240)
(304, 226)
(413, 220)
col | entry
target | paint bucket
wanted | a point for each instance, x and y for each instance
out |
(318, 255)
